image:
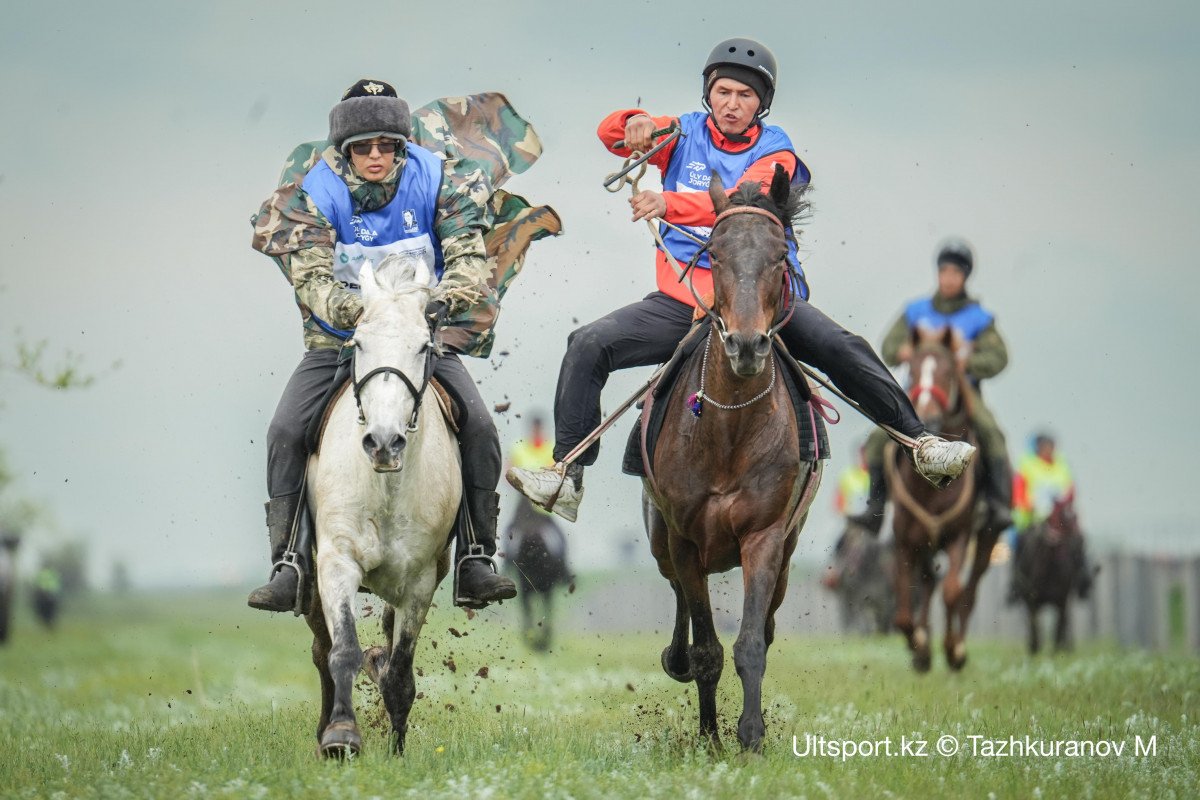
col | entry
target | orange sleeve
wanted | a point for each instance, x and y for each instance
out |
(1020, 494)
(612, 130)
(696, 208)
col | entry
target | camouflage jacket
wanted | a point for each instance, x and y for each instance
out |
(484, 231)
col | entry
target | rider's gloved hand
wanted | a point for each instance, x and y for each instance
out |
(436, 312)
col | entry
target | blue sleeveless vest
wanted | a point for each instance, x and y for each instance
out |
(970, 320)
(691, 168)
(406, 224)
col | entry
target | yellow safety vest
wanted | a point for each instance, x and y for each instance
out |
(527, 455)
(1045, 483)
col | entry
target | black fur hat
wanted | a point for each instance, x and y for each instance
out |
(368, 109)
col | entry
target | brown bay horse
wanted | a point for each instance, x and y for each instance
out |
(727, 487)
(928, 520)
(1050, 567)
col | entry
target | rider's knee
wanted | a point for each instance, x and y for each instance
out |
(285, 431)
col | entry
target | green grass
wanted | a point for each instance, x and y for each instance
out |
(195, 697)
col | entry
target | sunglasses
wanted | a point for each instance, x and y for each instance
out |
(364, 148)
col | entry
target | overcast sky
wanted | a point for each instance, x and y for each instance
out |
(1058, 138)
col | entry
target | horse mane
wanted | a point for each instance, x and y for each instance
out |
(793, 211)
(398, 273)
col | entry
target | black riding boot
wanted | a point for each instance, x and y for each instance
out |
(477, 582)
(872, 519)
(998, 482)
(279, 593)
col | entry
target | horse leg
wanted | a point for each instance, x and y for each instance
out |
(984, 542)
(547, 614)
(902, 584)
(952, 597)
(1035, 642)
(339, 578)
(705, 655)
(320, 657)
(398, 685)
(762, 573)
(674, 657)
(526, 614)
(1062, 629)
(375, 658)
(922, 659)
(675, 660)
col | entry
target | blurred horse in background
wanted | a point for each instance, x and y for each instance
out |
(1050, 567)
(861, 574)
(927, 519)
(537, 559)
(8, 580)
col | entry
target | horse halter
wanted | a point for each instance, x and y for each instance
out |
(417, 394)
(788, 288)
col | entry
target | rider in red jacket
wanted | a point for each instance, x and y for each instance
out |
(728, 139)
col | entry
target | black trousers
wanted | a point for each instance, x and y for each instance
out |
(478, 442)
(647, 332)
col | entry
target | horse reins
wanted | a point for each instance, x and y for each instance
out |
(933, 523)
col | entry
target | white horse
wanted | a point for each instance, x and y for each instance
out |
(384, 492)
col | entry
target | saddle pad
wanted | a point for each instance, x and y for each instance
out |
(341, 380)
(814, 441)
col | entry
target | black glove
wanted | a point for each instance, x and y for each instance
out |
(436, 312)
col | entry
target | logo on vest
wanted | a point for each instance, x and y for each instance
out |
(698, 174)
(410, 221)
(361, 231)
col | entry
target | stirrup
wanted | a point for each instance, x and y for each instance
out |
(475, 552)
(291, 560)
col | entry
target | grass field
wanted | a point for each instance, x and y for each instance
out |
(195, 696)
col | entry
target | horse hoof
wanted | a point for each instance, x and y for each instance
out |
(340, 741)
(374, 662)
(958, 657)
(682, 677)
(922, 661)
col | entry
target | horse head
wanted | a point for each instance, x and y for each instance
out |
(392, 355)
(935, 391)
(751, 275)
(1062, 519)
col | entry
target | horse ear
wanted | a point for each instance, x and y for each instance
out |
(716, 191)
(421, 274)
(366, 279)
(947, 338)
(781, 187)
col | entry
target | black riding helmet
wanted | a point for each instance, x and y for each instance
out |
(956, 251)
(747, 61)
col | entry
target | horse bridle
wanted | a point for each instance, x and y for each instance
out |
(417, 394)
(788, 276)
(939, 395)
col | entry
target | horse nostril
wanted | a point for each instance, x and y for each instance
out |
(396, 445)
(370, 444)
(762, 345)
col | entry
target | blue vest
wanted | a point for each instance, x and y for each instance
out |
(406, 224)
(970, 320)
(691, 167)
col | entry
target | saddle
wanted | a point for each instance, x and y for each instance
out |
(337, 387)
(814, 440)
